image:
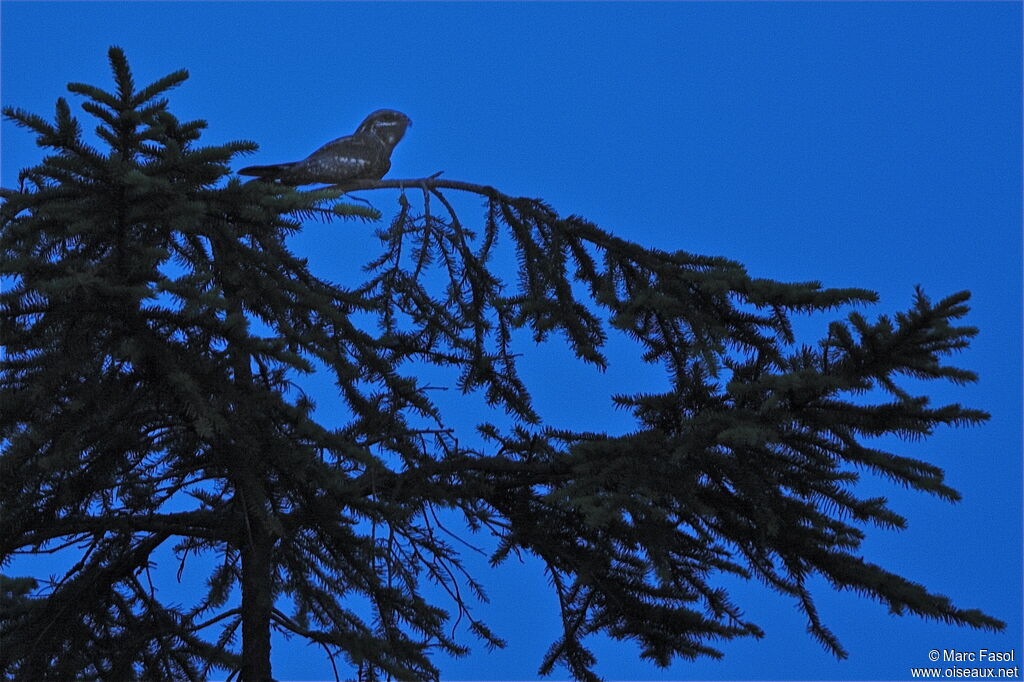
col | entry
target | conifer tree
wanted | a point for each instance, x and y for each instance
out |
(158, 331)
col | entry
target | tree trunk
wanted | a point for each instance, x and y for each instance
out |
(255, 538)
(257, 599)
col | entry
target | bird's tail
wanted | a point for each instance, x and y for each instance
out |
(273, 171)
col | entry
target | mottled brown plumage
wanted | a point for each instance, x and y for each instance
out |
(363, 155)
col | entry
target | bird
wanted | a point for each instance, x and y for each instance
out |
(363, 155)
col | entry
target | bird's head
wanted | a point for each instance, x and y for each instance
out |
(387, 124)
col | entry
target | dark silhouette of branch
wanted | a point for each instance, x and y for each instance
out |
(429, 183)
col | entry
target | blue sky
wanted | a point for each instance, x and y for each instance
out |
(861, 144)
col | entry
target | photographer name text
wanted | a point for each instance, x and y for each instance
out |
(979, 655)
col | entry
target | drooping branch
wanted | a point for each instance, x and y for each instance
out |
(535, 208)
(204, 524)
(429, 183)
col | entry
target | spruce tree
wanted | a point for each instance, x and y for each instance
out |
(158, 331)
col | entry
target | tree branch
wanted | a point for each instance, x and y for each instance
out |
(430, 183)
(188, 524)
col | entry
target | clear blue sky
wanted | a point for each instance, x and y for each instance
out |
(862, 144)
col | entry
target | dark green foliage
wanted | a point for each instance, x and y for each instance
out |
(156, 326)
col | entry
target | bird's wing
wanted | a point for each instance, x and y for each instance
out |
(272, 170)
(361, 146)
(352, 156)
